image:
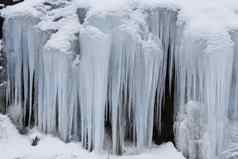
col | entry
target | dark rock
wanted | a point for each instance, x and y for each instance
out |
(23, 130)
(82, 13)
(6, 3)
(10, 2)
(35, 141)
(58, 19)
(54, 5)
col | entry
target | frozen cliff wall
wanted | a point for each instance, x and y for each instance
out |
(122, 77)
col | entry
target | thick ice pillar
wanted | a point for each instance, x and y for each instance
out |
(94, 65)
(55, 91)
(148, 64)
(58, 85)
(135, 67)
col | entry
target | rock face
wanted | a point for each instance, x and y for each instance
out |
(121, 76)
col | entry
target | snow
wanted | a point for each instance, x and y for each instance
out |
(205, 17)
(62, 40)
(200, 16)
(13, 145)
(27, 7)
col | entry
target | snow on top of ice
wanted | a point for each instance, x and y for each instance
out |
(104, 5)
(148, 4)
(64, 22)
(93, 32)
(26, 7)
(209, 16)
(62, 40)
(201, 16)
(112, 5)
(55, 18)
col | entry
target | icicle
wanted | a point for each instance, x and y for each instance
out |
(162, 24)
(122, 56)
(95, 52)
(148, 62)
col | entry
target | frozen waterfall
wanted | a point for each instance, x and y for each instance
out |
(110, 69)
(124, 78)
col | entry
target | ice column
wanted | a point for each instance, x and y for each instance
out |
(94, 63)
(135, 65)
(58, 90)
(148, 64)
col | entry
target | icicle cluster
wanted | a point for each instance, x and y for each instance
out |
(101, 77)
(84, 82)
(203, 74)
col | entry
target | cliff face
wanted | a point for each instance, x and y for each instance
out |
(136, 75)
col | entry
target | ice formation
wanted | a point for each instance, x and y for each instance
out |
(70, 81)
(94, 74)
